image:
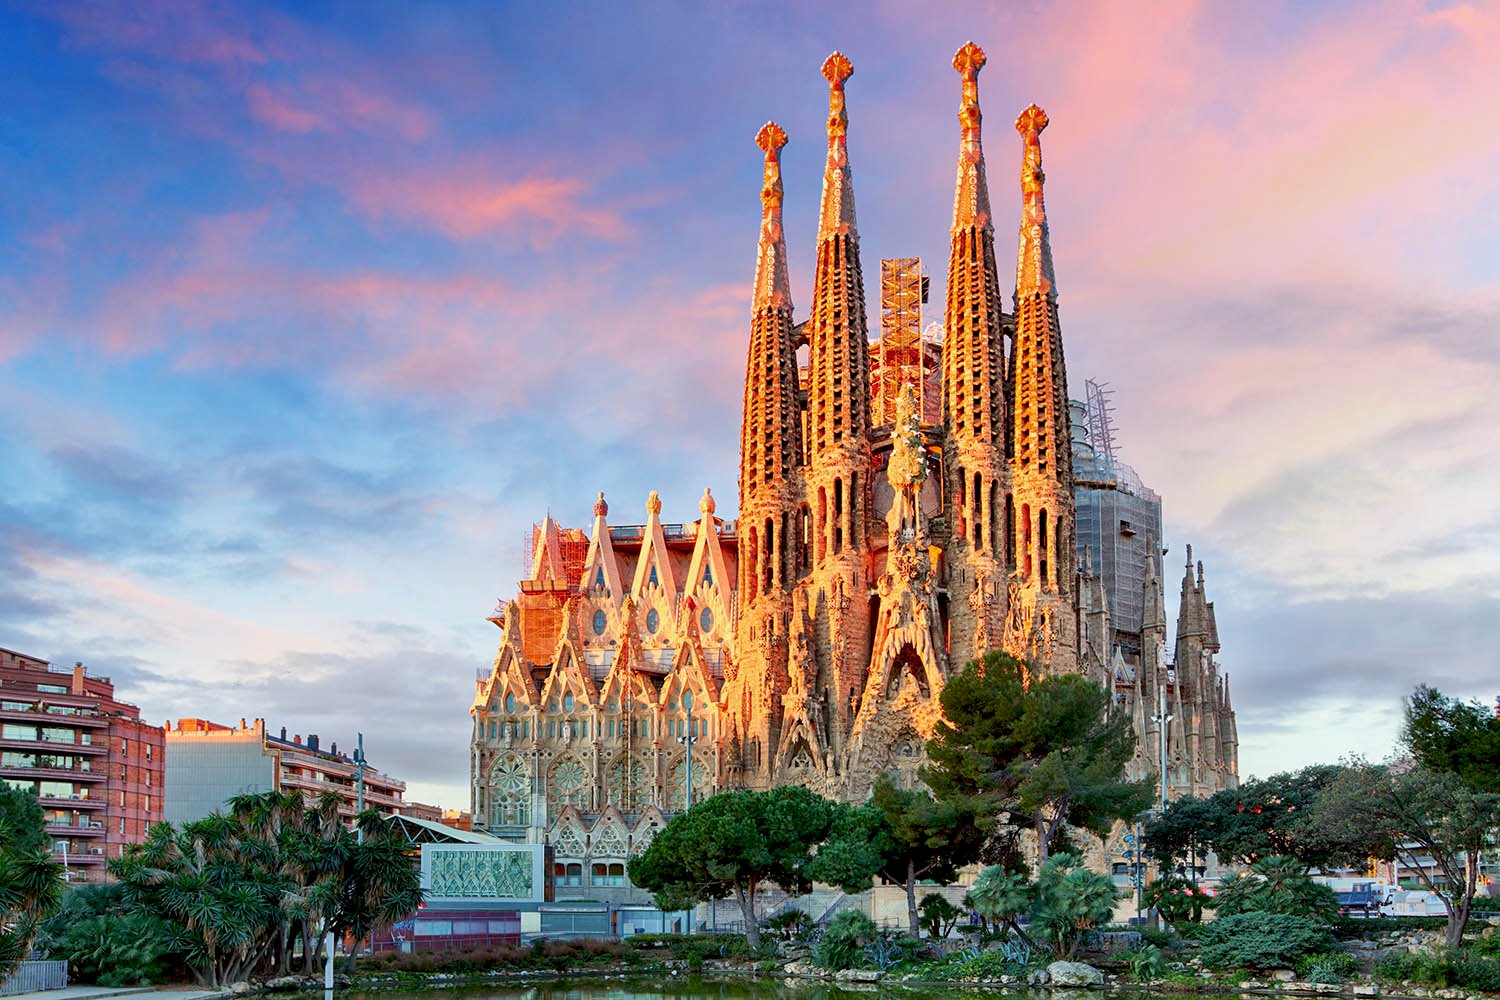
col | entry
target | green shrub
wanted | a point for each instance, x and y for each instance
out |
(1278, 885)
(1070, 900)
(938, 915)
(843, 943)
(1259, 940)
(1327, 966)
(1146, 962)
(1349, 928)
(793, 925)
(1486, 947)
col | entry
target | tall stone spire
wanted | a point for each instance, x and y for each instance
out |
(838, 428)
(973, 369)
(1041, 452)
(839, 390)
(770, 431)
(771, 498)
(1042, 471)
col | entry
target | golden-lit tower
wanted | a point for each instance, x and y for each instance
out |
(770, 472)
(978, 481)
(1040, 624)
(838, 404)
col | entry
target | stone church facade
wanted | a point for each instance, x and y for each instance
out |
(876, 551)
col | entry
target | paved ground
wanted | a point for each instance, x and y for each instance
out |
(101, 992)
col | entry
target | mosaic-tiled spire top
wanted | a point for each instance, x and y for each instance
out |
(973, 359)
(1034, 265)
(772, 287)
(971, 198)
(837, 213)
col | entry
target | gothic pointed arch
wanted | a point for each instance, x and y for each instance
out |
(509, 783)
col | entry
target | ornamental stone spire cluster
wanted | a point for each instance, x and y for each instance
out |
(872, 556)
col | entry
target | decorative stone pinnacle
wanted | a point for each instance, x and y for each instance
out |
(653, 503)
(1031, 121)
(836, 216)
(771, 138)
(969, 60)
(600, 507)
(837, 68)
(772, 285)
(707, 503)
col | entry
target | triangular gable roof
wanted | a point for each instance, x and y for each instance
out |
(508, 662)
(709, 555)
(601, 558)
(690, 671)
(569, 670)
(546, 557)
(422, 831)
(654, 554)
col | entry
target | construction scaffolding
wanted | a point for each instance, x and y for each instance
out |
(904, 356)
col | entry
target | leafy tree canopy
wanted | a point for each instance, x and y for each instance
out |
(732, 843)
(1262, 818)
(1462, 738)
(1044, 748)
(1418, 813)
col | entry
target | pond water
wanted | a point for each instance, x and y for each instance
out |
(704, 988)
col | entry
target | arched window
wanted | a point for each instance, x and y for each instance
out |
(510, 703)
(600, 622)
(568, 701)
(510, 792)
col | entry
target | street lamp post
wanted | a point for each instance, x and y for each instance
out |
(687, 793)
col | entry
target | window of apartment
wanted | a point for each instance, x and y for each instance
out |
(52, 689)
(11, 758)
(16, 706)
(148, 803)
(122, 772)
(148, 751)
(124, 747)
(148, 779)
(122, 824)
(17, 731)
(63, 710)
(122, 800)
(55, 789)
(54, 734)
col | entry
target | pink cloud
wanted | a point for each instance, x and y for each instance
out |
(471, 201)
(279, 112)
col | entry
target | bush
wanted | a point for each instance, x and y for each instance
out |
(938, 915)
(1327, 967)
(843, 942)
(1146, 962)
(1443, 967)
(793, 925)
(1070, 900)
(1259, 940)
(1277, 885)
(971, 963)
(1349, 928)
(108, 944)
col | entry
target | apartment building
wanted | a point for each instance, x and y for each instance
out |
(97, 768)
(211, 763)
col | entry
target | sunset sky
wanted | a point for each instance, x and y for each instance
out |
(307, 312)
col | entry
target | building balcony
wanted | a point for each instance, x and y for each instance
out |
(74, 801)
(53, 774)
(94, 829)
(89, 856)
(55, 746)
(37, 715)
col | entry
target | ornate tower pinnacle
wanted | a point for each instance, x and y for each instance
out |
(1034, 265)
(971, 199)
(837, 214)
(772, 287)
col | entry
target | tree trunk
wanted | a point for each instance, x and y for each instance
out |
(746, 897)
(911, 898)
(1041, 840)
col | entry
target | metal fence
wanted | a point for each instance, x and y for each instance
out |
(32, 976)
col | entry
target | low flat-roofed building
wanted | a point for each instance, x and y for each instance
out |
(212, 763)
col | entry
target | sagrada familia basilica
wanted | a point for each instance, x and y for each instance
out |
(883, 540)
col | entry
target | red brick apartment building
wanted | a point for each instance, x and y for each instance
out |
(98, 769)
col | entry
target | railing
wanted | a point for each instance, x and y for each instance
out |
(33, 976)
